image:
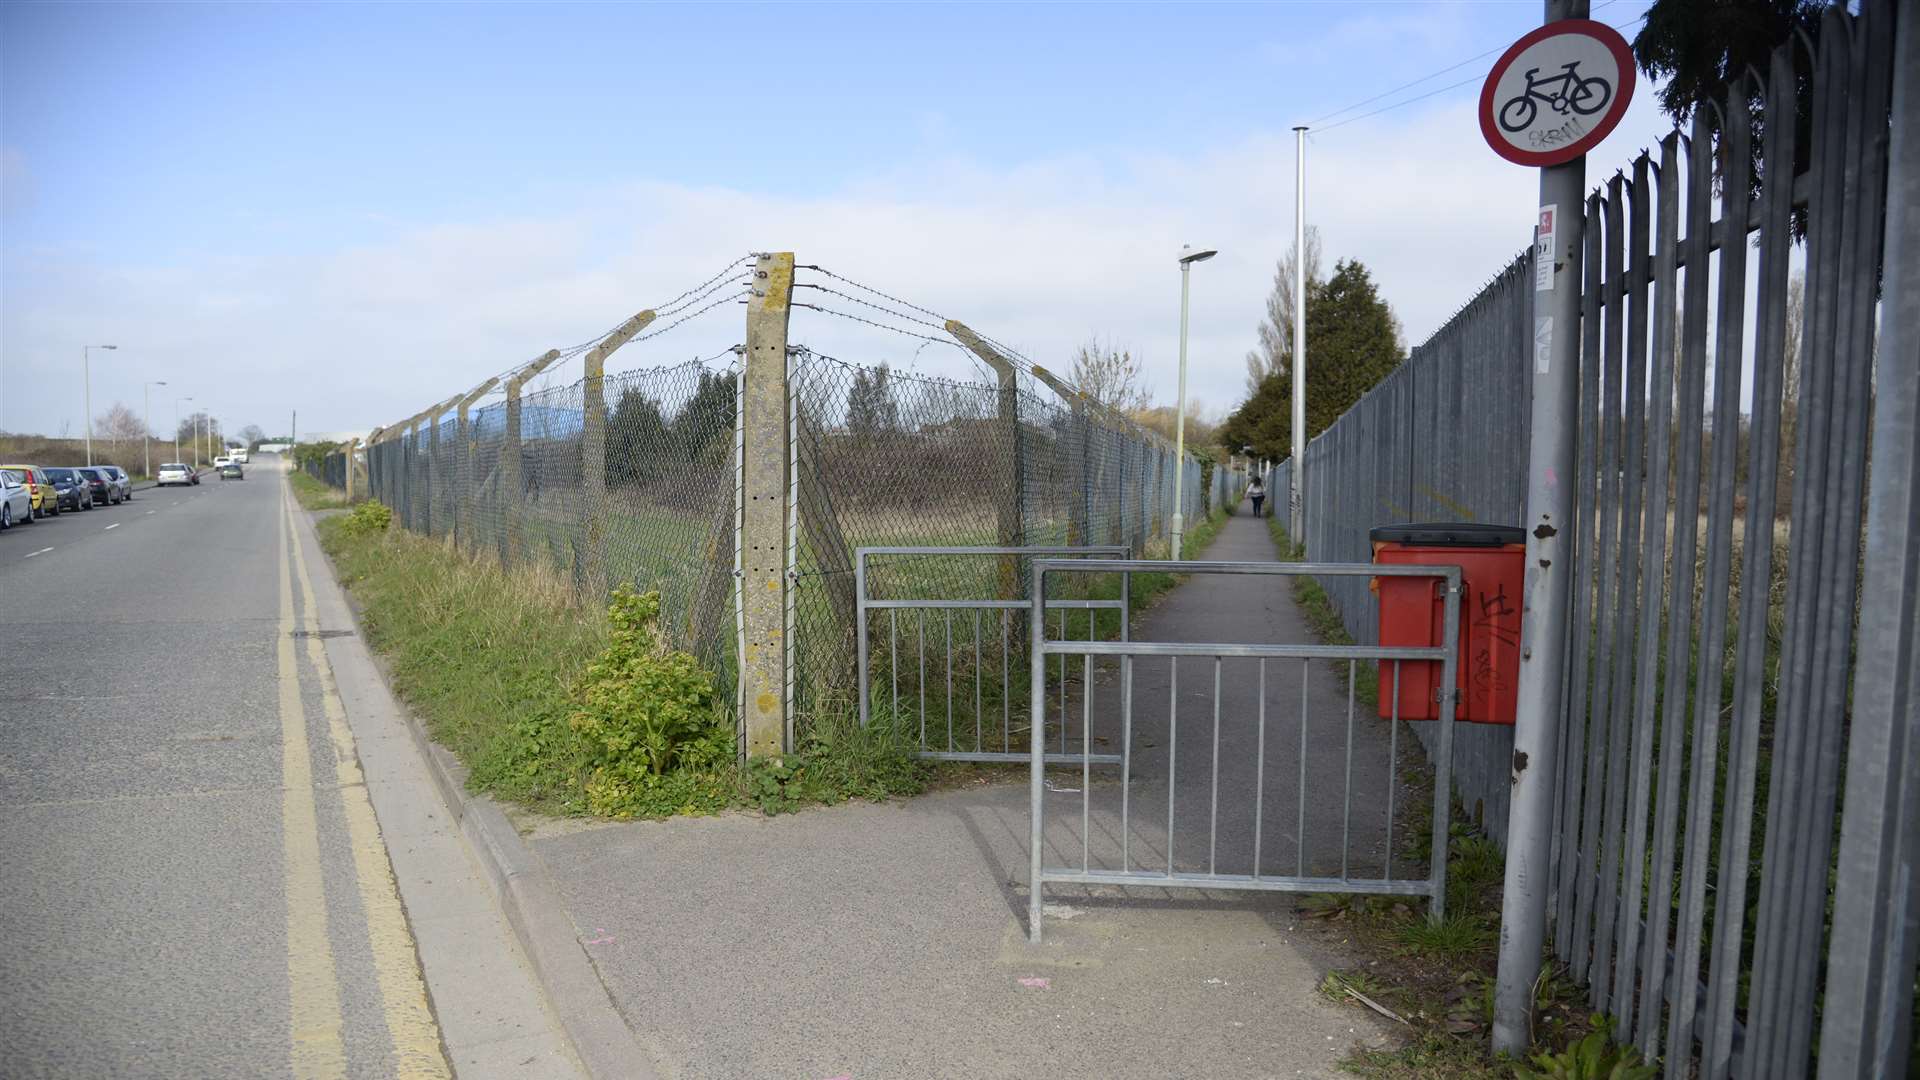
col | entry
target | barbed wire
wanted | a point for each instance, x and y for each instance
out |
(940, 326)
(868, 288)
(729, 298)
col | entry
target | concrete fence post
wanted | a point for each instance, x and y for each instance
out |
(351, 444)
(593, 453)
(1009, 509)
(764, 517)
(512, 484)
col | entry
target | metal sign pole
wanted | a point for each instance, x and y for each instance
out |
(1297, 475)
(1543, 632)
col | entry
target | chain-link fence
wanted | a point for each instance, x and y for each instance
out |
(640, 478)
(886, 458)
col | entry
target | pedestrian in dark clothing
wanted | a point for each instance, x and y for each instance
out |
(1258, 493)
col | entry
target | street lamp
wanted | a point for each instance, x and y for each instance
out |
(1188, 257)
(146, 399)
(86, 383)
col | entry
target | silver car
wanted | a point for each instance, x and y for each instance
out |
(172, 473)
(118, 481)
(16, 501)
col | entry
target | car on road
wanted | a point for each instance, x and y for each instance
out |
(173, 472)
(46, 501)
(230, 471)
(16, 502)
(71, 490)
(121, 482)
(222, 461)
(104, 493)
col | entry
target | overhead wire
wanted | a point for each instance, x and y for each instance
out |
(1314, 129)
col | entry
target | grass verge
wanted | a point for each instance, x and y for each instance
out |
(554, 708)
(313, 494)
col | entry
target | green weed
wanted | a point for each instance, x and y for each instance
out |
(313, 494)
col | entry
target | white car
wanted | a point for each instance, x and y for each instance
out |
(222, 461)
(16, 499)
(172, 473)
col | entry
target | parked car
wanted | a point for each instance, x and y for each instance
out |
(104, 493)
(230, 471)
(16, 502)
(46, 501)
(173, 472)
(71, 490)
(122, 483)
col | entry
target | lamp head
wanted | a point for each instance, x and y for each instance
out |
(1188, 256)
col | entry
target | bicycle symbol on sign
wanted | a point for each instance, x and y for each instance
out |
(1564, 92)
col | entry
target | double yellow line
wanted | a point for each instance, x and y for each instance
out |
(318, 1048)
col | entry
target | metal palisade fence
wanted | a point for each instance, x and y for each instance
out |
(740, 484)
(1738, 818)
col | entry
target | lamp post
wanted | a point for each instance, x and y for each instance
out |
(1188, 257)
(146, 401)
(86, 390)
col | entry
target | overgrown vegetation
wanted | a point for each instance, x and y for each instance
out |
(313, 494)
(572, 712)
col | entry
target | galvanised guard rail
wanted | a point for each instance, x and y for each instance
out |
(1433, 886)
(952, 751)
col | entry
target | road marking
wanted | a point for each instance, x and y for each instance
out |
(149, 511)
(396, 965)
(42, 551)
(318, 1048)
(115, 525)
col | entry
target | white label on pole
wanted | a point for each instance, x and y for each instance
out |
(1543, 249)
(1542, 344)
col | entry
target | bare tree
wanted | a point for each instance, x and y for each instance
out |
(119, 426)
(1275, 350)
(1111, 377)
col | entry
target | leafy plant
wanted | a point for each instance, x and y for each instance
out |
(1595, 1057)
(367, 519)
(659, 739)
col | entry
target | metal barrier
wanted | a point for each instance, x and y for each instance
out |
(1175, 875)
(1011, 609)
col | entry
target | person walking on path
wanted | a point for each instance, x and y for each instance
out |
(1258, 493)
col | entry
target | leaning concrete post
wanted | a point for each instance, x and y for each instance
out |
(1009, 513)
(593, 454)
(512, 487)
(763, 519)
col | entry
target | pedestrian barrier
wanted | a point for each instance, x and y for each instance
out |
(988, 686)
(1247, 855)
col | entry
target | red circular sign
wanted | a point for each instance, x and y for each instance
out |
(1557, 92)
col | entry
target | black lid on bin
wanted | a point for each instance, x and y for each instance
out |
(1448, 534)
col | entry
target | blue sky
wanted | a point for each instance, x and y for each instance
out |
(356, 209)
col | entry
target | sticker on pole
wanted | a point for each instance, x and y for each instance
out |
(1557, 92)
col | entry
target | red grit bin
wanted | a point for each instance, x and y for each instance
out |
(1492, 561)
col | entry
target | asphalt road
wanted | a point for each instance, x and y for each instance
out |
(195, 880)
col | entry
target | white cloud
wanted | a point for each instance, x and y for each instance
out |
(1042, 256)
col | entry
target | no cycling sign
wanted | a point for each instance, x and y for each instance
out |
(1557, 92)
